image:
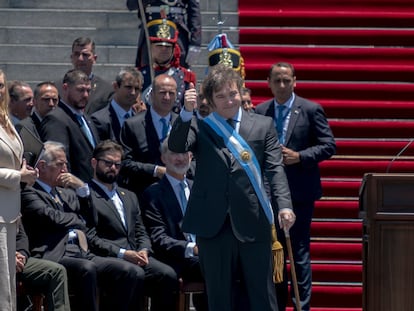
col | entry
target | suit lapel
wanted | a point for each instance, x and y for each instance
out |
(294, 114)
(18, 152)
(102, 197)
(116, 127)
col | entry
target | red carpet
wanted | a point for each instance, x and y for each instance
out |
(356, 58)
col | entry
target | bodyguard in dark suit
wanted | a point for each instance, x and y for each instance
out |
(164, 205)
(54, 218)
(306, 140)
(45, 99)
(70, 126)
(141, 137)
(83, 57)
(227, 214)
(110, 119)
(117, 229)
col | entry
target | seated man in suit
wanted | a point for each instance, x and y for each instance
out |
(41, 276)
(164, 205)
(110, 119)
(52, 215)
(117, 229)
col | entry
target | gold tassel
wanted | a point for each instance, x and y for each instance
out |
(278, 257)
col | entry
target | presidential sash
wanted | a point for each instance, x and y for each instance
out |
(245, 156)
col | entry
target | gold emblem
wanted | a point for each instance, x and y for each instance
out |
(225, 59)
(245, 156)
(163, 31)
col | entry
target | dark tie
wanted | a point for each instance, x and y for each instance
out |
(85, 129)
(231, 122)
(126, 116)
(164, 132)
(279, 122)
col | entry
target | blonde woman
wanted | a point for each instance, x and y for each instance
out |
(13, 171)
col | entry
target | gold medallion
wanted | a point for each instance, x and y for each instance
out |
(245, 156)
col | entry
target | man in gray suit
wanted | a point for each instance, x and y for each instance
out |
(228, 209)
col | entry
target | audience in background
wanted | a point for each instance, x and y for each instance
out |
(127, 92)
(69, 124)
(83, 56)
(21, 100)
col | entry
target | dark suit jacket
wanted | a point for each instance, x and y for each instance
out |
(100, 95)
(46, 224)
(221, 186)
(107, 123)
(106, 232)
(32, 123)
(163, 218)
(142, 151)
(308, 133)
(61, 125)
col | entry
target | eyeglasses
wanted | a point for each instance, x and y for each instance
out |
(246, 102)
(110, 163)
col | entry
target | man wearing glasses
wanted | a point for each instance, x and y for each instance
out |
(117, 230)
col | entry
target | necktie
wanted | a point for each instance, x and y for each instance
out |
(183, 202)
(279, 122)
(165, 126)
(183, 196)
(85, 129)
(56, 198)
(126, 116)
(83, 243)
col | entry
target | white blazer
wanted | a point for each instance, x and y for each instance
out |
(11, 154)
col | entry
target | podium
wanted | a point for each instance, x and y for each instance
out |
(387, 209)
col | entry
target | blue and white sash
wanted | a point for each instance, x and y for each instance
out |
(244, 155)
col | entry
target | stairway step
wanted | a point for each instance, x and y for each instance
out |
(332, 63)
(341, 188)
(357, 168)
(339, 209)
(374, 91)
(330, 297)
(327, 17)
(329, 309)
(324, 36)
(337, 273)
(373, 147)
(336, 229)
(368, 109)
(398, 129)
(336, 251)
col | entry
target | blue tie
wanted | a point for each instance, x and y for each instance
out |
(126, 116)
(279, 122)
(183, 198)
(165, 126)
(85, 129)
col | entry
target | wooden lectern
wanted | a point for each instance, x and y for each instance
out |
(387, 208)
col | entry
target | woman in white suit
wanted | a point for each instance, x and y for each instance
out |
(13, 171)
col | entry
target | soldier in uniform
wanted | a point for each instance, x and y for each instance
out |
(222, 51)
(184, 13)
(165, 52)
